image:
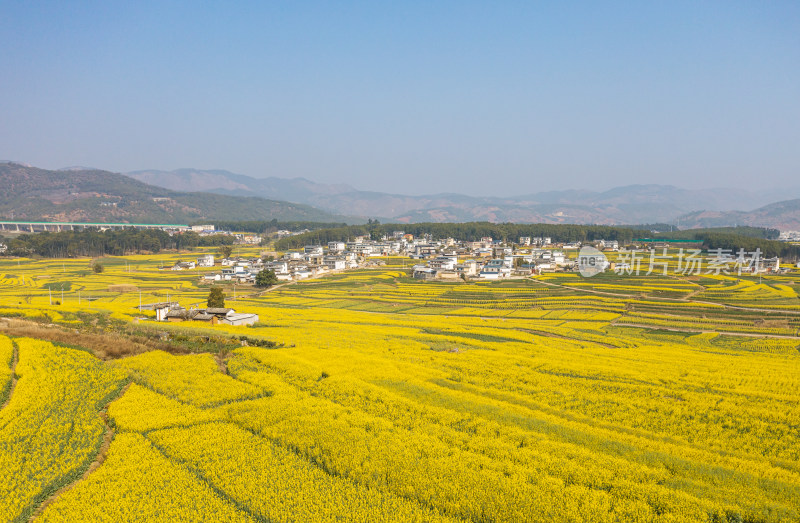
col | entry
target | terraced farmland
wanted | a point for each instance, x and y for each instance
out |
(382, 398)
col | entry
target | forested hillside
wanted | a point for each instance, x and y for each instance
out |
(31, 193)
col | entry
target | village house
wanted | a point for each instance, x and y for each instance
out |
(183, 266)
(335, 263)
(424, 250)
(496, 269)
(501, 252)
(443, 263)
(212, 315)
(336, 246)
(769, 265)
(248, 239)
(277, 266)
(423, 272)
(206, 261)
(302, 273)
(360, 248)
(483, 252)
(468, 268)
(608, 245)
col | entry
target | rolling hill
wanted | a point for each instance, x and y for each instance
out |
(80, 194)
(784, 215)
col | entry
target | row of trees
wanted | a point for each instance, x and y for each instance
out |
(268, 226)
(117, 242)
(691, 234)
(470, 231)
(734, 242)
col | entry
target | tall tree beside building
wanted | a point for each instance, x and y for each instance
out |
(216, 298)
(225, 251)
(266, 278)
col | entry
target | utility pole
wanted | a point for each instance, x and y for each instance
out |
(50, 292)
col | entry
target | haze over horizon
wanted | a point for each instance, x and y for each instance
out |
(411, 98)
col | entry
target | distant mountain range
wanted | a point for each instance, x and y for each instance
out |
(189, 195)
(80, 194)
(631, 204)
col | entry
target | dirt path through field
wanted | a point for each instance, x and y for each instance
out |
(14, 361)
(102, 453)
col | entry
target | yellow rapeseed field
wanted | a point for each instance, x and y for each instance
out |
(381, 398)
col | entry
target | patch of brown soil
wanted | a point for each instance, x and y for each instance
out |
(104, 346)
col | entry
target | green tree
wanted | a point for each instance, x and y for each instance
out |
(266, 278)
(225, 251)
(97, 267)
(216, 298)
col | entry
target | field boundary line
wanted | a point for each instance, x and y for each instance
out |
(561, 337)
(634, 297)
(13, 385)
(754, 309)
(200, 476)
(97, 462)
(698, 331)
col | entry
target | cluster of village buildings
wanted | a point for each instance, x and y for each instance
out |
(439, 259)
(292, 267)
(789, 236)
(238, 237)
(443, 259)
(491, 259)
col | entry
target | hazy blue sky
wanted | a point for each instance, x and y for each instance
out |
(414, 97)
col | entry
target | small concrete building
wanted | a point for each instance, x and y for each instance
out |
(336, 246)
(496, 269)
(206, 261)
(239, 319)
(445, 263)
